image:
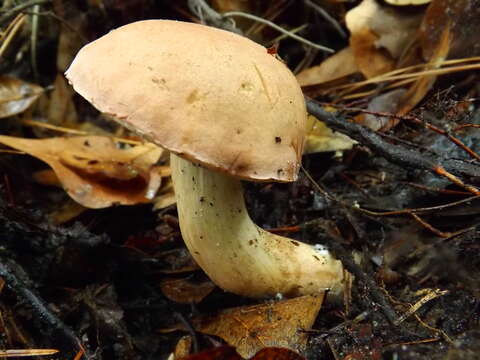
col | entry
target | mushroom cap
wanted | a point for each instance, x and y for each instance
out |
(208, 95)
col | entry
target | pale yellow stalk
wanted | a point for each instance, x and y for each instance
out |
(236, 254)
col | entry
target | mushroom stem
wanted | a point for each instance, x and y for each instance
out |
(236, 254)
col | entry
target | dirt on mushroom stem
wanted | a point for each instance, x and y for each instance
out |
(238, 255)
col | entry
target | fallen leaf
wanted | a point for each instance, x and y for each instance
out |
(46, 177)
(66, 212)
(183, 347)
(219, 353)
(166, 195)
(185, 291)
(388, 102)
(274, 353)
(252, 328)
(229, 353)
(177, 261)
(94, 170)
(463, 19)
(337, 66)
(16, 95)
(424, 83)
(379, 35)
(321, 139)
(232, 5)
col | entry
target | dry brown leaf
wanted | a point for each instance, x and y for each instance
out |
(321, 139)
(424, 83)
(217, 353)
(252, 328)
(388, 102)
(232, 5)
(185, 291)
(274, 353)
(94, 170)
(337, 66)
(16, 95)
(183, 347)
(177, 261)
(166, 195)
(66, 212)
(229, 353)
(379, 35)
(463, 18)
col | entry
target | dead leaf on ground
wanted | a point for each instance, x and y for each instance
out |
(337, 66)
(16, 95)
(229, 353)
(94, 170)
(274, 353)
(183, 347)
(219, 353)
(388, 102)
(166, 195)
(424, 83)
(321, 139)
(252, 328)
(177, 261)
(379, 35)
(463, 18)
(232, 5)
(186, 291)
(65, 212)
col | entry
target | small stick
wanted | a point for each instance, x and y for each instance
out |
(19, 8)
(279, 29)
(430, 296)
(38, 305)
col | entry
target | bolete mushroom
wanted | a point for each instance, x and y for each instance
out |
(227, 110)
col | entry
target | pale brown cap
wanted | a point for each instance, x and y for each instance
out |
(208, 95)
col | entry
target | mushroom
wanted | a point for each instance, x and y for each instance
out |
(226, 110)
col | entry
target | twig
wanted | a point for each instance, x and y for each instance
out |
(33, 39)
(397, 154)
(413, 308)
(189, 328)
(19, 8)
(436, 190)
(223, 21)
(352, 267)
(12, 30)
(206, 14)
(416, 120)
(40, 308)
(278, 28)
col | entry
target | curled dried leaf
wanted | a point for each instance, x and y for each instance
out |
(95, 170)
(379, 35)
(16, 95)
